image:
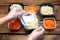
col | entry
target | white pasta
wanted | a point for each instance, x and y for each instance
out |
(46, 10)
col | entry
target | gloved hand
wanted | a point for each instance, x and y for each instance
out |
(15, 12)
(36, 34)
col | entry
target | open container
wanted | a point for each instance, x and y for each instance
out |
(21, 4)
(32, 8)
(14, 24)
(45, 7)
(30, 27)
(49, 23)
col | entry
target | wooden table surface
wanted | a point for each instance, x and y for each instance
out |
(5, 32)
(4, 11)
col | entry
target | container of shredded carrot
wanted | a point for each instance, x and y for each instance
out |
(49, 23)
(32, 8)
(14, 24)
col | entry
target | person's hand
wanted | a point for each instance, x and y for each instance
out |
(36, 34)
(15, 12)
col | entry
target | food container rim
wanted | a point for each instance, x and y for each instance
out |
(25, 25)
(15, 3)
(52, 5)
(49, 18)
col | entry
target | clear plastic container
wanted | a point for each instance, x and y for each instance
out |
(29, 18)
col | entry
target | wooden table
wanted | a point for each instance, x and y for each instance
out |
(21, 31)
(21, 34)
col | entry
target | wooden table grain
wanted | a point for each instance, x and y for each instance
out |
(6, 34)
(31, 2)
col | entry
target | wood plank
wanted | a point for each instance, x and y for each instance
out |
(24, 37)
(13, 37)
(31, 2)
(3, 9)
(57, 12)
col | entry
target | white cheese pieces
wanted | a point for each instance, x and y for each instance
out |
(46, 10)
(16, 6)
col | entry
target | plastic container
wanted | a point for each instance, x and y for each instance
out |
(32, 8)
(12, 23)
(25, 25)
(15, 3)
(49, 23)
(50, 5)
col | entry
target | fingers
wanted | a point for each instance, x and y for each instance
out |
(40, 29)
(21, 14)
(17, 10)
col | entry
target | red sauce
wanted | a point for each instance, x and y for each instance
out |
(14, 25)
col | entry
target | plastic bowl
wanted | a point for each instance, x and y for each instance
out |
(48, 23)
(15, 3)
(14, 28)
(50, 5)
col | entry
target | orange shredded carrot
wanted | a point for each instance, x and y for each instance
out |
(49, 23)
(34, 8)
